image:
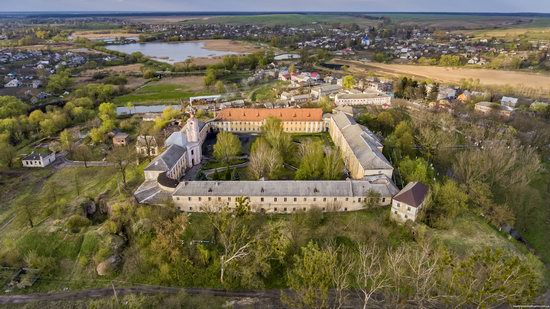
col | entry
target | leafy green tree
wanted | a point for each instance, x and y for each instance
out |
(348, 82)
(274, 134)
(416, 170)
(333, 165)
(7, 154)
(448, 200)
(311, 277)
(59, 82)
(450, 60)
(67, 140)
(325, 104)
(386, 121)
(491, 278)
(11, 106)
(227, 147)
(220, 87)
(311, 164)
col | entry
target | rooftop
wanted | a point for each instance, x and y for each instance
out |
(167, 159)
(413, 194)
(363, 143)
(260, 114)
(341, 188)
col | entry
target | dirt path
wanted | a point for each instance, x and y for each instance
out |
(272, 295)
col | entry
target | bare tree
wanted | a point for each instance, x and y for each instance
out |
(371, 275)
(234, 236)
(121, 157)
(341, 274)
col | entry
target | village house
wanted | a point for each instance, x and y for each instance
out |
(490, 108)
(120, 139)
(368, 98)
(37, 159)
(294, 120)
(407, 204)
(146, 145)
(509, 101)
(14, 83)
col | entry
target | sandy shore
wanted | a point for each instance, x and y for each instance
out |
(231, 46)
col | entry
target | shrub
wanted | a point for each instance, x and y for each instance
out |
(76, 222)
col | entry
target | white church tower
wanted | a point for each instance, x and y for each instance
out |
(194, 151)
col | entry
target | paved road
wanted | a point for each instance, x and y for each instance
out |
(271, 295)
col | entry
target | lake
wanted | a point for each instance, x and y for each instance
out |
(170, 52)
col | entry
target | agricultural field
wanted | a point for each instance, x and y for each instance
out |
(285, 19)
(103, 34)
(169, 90)
(515, 79)
(510, 34)
(458, 21)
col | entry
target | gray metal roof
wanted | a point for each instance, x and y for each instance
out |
(340, 188)
(167, 159)
(364, 144)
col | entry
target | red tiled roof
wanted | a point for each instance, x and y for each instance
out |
(259, 114)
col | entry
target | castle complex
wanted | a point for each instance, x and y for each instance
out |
(360, 148)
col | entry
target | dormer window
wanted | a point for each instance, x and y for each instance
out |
(209, 190)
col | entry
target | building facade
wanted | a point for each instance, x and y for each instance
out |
(361, 149)
(251, 120)
(407, 204)
(283, 196)
(370, 98)
(38, 159)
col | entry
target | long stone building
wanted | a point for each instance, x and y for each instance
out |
(250, 120)
(283, 196)
(361, 151)
(368, 98)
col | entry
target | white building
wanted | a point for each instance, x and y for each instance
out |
(509, 101)
(38, 159)
(408, 202)
(324, 90)
(14, 83)
(369, 98)
(183, 151)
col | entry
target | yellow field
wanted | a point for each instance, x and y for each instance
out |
(455, 75)
(103, 34)
(513, 33)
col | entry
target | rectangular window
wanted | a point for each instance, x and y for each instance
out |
(262, 199)
(285, 209)
(190, 208)
(209, 198)
(200, 198)
(229, 199)
(324, 199)
(274, 199)
(285, 199)
(275, 209)
(335, 199)
(295, 199)
(189, 198)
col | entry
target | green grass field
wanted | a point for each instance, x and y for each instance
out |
(158, 93)
(285, 19)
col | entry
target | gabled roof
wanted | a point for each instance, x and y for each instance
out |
(363, 143)
(413, 194)
(167, 159)
(259, 114)
(35, 156)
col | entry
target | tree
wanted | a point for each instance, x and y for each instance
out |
(11, 106)
(372, 199)
(274, 134)
(311, 164)
(448, 200)
(59, 82)
(311, 277)
(67, 140)
(7, 154)
(227, 147)
(371, 276)
(83, 153)
(416, 170)
(220, 87)
(121, 157)
(491, 278)
(348, 82)
(232, 234)
(333, 165)
(265, 162)
(325, 104)
(386, 121)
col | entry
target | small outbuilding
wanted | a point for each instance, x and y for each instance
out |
(38, 159)
(408, 202)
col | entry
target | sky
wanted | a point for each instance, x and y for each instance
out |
(504, 6)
